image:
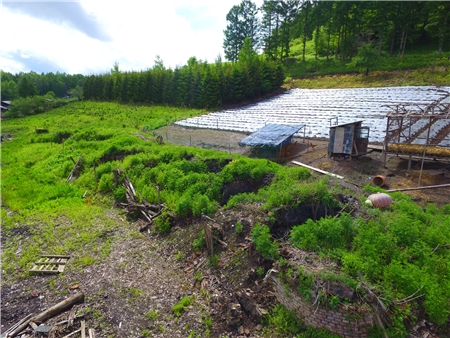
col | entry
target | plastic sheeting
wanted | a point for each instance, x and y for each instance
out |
(271, 135)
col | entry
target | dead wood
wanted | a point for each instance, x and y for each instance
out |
(209, 238)
(137, 206)
(249, 305)
(51, 312)
(72, 333)
(76, 169)
(83, 329)
(19, 323)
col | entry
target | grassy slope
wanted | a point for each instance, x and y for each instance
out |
(35, 168)
(418, 67)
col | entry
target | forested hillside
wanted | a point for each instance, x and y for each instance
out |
(337, 29)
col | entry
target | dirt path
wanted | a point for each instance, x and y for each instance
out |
(128, 292)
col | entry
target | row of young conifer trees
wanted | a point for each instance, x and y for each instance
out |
(197, 84)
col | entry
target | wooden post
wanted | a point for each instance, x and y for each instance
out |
(424, 152)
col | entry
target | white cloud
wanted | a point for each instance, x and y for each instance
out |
(137, 30)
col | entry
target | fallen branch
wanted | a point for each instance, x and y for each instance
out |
(76, 169)
(12, 328)
(135, 206)
(72, 333)
(410, 297)
(49, 313)
(225, 245)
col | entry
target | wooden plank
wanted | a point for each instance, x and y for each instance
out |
(375, 147)
(54, 263)
(45, 271)
(83, 329)
(55, 256)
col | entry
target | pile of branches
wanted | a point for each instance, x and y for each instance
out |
(136, 207)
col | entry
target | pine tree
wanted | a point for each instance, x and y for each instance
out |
(242, 22)
(26, 87)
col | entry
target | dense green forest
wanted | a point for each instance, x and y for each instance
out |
(337, 29)
(30, 84)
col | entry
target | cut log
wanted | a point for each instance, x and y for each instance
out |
(49, 313)
(58, 308)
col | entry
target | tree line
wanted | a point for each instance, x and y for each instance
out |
(30, 84)
(336, 29)
(196, 84)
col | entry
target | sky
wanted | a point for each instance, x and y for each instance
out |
(90, 36)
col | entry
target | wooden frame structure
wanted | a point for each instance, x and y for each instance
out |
(419, 131)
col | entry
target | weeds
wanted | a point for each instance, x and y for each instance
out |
(152, 315)
(239, 228)
(181, 305)
(263, 242)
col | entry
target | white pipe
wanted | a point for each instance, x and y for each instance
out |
(316, 169)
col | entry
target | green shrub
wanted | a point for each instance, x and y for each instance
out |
(325, 234)
(120, 194)
(305, 283)
(102, 169)
(213, 261)
(106, 183)
(184, 206)
(199, 243)
(162, 222)
(263, 241)
(284, 321)
(202, 205)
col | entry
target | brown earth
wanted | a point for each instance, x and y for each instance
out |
(131, 293)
